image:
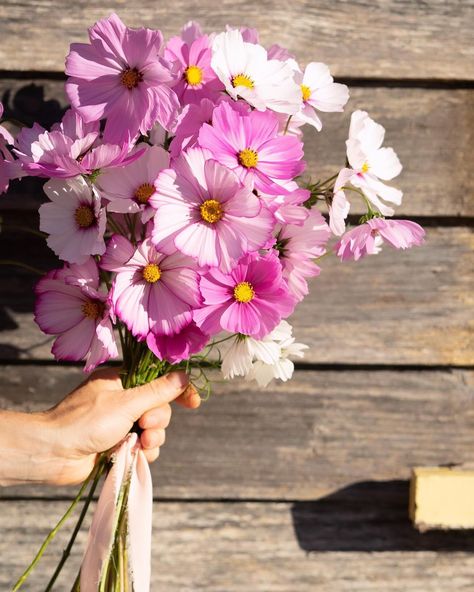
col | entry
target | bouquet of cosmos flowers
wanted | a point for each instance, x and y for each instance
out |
(177, 204)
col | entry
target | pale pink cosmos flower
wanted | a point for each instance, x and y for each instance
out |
(204, 211)
(298, 246)
(252, 299)
(363, 240)
(4, 133)
(193, 58)
(73, 219)
(151, 291)
(129, 189)
(319, 92)
(70, 305)
(120, 76)
(5, 159)
(70, 149)
(288, 206)
(247, 72)
(372, 163)
(249, 144)
(179, 347)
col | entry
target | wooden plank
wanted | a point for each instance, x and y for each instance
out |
(387, 38)
(261, 547)
(433, 143)
(412, 307)
(299, 440)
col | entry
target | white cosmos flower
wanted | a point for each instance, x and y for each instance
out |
(247, 72)
(371, 162)
(264, 359)
(318, 92)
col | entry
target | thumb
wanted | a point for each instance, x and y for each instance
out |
(163, 390)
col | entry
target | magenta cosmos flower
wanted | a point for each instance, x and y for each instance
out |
(251, 300)
(151, 291)
(298, 246)
(192, 54)
(72, 148)
(69, 305)
(250, 145)
(179, 347)
(121, 76)
(203, 210)
(129, 188)
(367, 238)
(74, 219)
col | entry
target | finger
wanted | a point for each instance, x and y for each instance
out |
(190, 398)
(156, 418)
(163, 390)
(152, 454)
(152, 439)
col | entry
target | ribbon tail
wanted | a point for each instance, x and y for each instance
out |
(140, 513)
(101, 533)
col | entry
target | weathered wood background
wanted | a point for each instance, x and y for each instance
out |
(302, 487)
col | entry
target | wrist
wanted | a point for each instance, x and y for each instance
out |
(29, 449)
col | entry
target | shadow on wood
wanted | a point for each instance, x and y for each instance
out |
(370, 516)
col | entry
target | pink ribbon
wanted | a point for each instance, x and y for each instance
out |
(129, 462)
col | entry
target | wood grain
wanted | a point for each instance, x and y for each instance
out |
(212, 547)
(301, 440)
(410, 307)
(384, 38)
(432, 131)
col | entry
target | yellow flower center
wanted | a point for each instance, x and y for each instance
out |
(92, 309)
(242, 80)
(211, 211)
(151, 273)
(243, 292)
(84, 216)
(193, 75)
(131, 77)
(365, 167)
(306, 92)
(248, 158)
(144, 192)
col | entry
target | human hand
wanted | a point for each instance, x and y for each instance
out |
(62, 443)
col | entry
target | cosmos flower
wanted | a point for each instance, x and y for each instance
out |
(73, 219)
(203, 210)
(120, 76)
(70, 305)
(249, 144)
(362, 240)
(252, 299)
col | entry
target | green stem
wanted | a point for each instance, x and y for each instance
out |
(287, 125)
(22, 265)
(100, 469)
(53, 533)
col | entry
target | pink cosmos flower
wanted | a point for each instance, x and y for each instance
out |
(362, 240)
(247, 72)
(203, 210)
(249, 144)
(189, 122)
(70, 306)
(130, 188)
(4, 133)
(70, 149)
(179, 347)
(193, 57)
(252, 299)
(74, 219)
(298, 246)
(319, 92)
(151, 291)
(288, 207)
(121, 76)
(372, 163)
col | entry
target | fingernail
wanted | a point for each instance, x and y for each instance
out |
(192, 395)
(178, 379)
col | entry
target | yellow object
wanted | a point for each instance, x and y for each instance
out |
(442, 498)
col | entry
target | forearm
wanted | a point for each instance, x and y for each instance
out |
(26, 448)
